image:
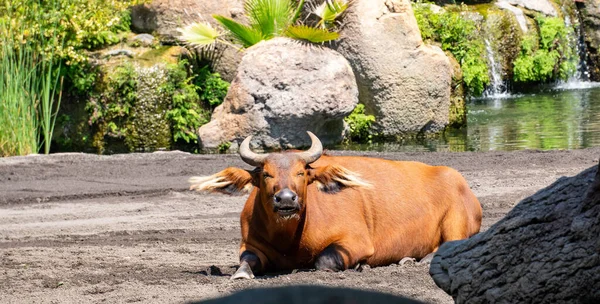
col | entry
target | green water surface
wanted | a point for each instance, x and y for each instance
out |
(559, 119)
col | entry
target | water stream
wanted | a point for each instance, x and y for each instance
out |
(497, 87)
(558, 119)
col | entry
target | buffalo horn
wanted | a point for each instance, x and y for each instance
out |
(251, 158)
(316, 149)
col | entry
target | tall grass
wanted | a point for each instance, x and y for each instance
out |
(29, 89)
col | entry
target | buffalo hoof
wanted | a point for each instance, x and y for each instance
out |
(406, 260)
(244, 272)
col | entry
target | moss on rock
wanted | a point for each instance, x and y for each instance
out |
(458, 109)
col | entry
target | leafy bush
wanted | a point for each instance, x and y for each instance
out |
(460, 37)
(186, 98)
(30, 81)
(82, 25)
(185, 115)
(546, 55)
(360, 124)
(212, 88)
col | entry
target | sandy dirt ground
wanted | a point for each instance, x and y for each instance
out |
(78, 228)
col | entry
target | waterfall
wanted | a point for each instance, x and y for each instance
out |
(581, 78)
(497, 87)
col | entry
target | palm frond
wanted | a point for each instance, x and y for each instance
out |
(199, 34)
(270, 17)
(245, 35)
(314, 35)
(330, 11)
(298, 11)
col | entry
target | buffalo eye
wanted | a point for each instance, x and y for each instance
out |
(300, 173)
(266, 175)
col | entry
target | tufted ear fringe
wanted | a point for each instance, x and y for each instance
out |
(333, 178)
(229, 181)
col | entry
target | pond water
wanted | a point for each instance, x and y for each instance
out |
(562, 118)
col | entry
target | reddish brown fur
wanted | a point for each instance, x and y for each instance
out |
(409, 211)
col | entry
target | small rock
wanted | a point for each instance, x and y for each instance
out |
(144, 39)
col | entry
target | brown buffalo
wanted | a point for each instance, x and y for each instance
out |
(308, 210)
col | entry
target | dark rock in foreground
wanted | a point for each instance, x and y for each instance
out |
(309, 295)
(546, 250)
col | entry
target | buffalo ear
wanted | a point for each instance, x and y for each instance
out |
(229, 181)
(334, 178)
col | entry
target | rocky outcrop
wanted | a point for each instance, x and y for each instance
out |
(590, 16)
(403, 82)
(282, 89)
(309, 295)
(163, 17)
(517, 12)
(541, 6)
(546, 250)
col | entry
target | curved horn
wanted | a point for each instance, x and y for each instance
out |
(316, 149)
(251, 158)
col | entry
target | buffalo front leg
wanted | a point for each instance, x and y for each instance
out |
(249, 264)
(338, 257)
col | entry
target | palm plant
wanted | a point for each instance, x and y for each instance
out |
(268, 19)
(330, 12)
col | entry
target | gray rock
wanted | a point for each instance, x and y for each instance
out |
(282, 89)
(521, 19)
(144, 39)
(118, 52)
(163, 17)
(546, 250)
(309, 295)
(403, 82)
(542, 6)
(590, 16)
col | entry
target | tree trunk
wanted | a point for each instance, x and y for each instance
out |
(546, 250)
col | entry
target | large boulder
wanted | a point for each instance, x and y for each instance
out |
(163, 17)
(590, 16)
(282, 89)
(402, 81)
(546, 250)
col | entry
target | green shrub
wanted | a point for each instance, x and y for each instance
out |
(211, 87)
(546, 55)
(30, 81)
(186, 114)
(360, 124)
(460, 37)
(82, 25)
(116, 112)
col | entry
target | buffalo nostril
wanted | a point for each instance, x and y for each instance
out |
(294, 198)
(277, 199)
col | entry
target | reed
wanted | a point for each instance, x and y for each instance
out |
(30, 88)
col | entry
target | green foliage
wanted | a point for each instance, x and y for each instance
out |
(360, 124)
(330, 12)
(29, 81)
(223, 147)
(185, 114)
(314, 35)
(211, 87)
(268, 19)
(245, 35)
(116, 112)
(546, 55)
(110, 110)
(81, 25)
(460, 37)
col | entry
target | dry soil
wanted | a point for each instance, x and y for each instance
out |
(80, 228)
